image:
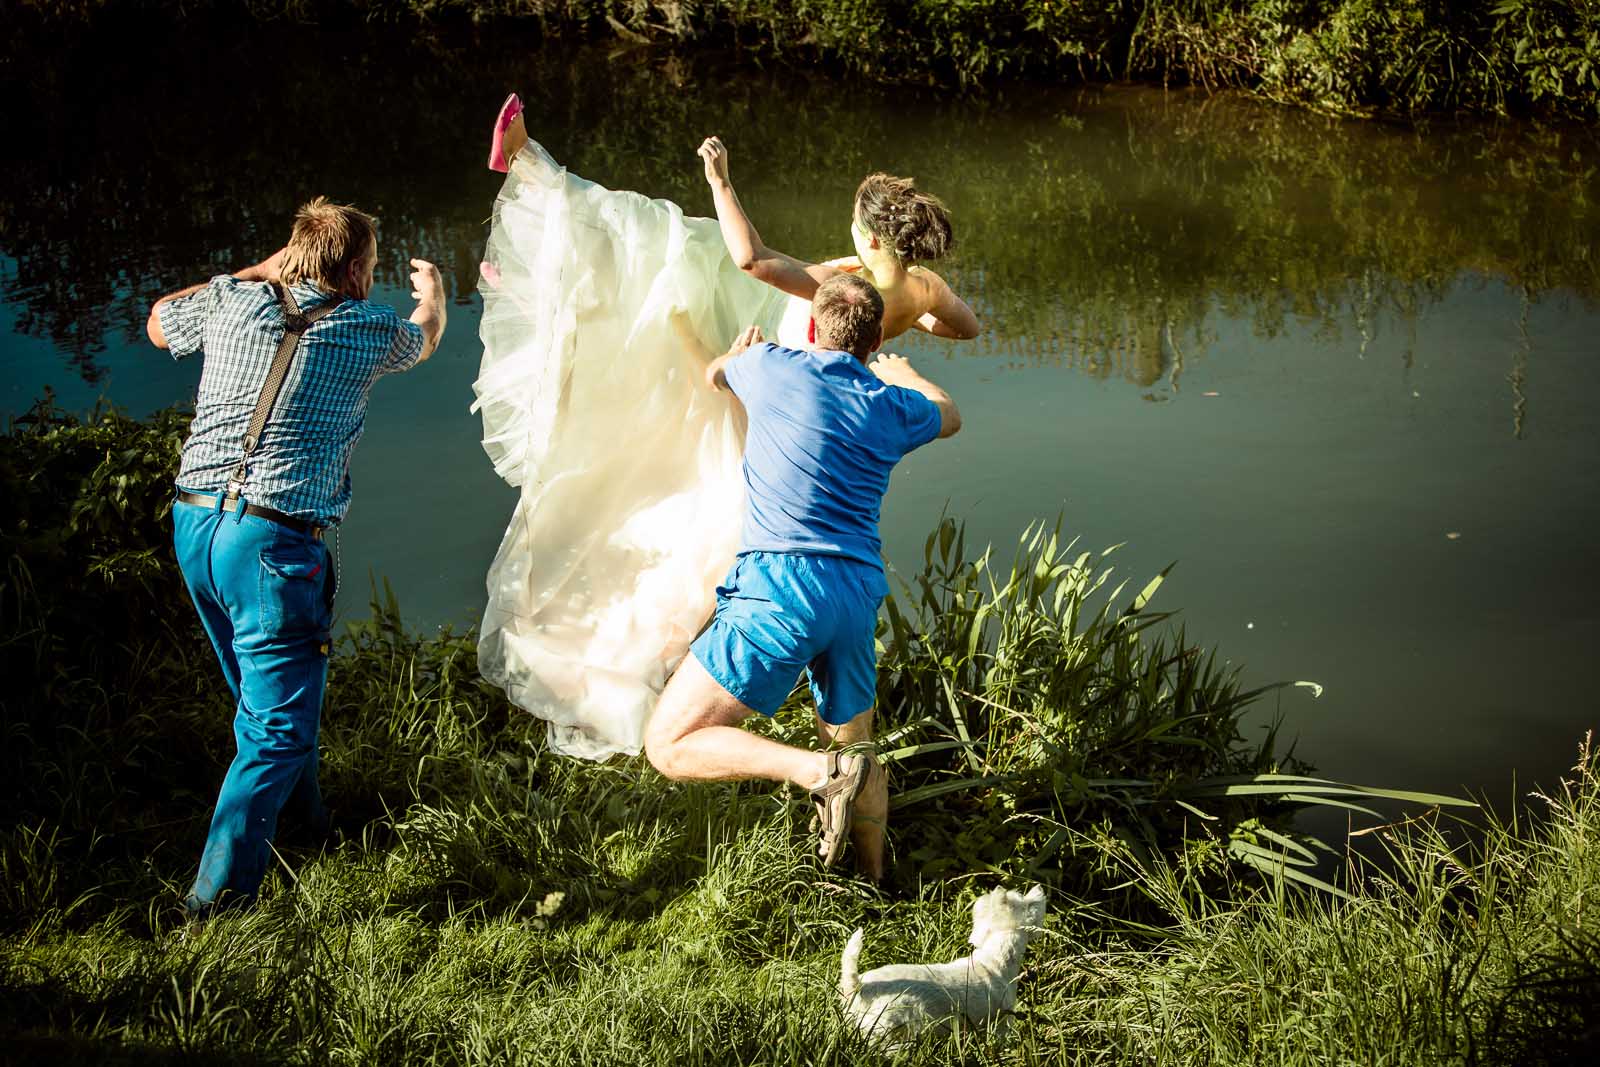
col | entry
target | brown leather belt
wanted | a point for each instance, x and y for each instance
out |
(231, 503)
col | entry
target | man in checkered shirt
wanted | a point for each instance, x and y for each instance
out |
(253, 557)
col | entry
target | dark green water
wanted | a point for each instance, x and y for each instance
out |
(1335, 370)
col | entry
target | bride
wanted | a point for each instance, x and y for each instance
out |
(601, 308)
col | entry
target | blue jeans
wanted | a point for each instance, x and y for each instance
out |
(265, 597)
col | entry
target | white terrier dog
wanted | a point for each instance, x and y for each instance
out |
(894, 1003)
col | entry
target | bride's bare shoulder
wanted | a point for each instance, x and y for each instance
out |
(933, 286)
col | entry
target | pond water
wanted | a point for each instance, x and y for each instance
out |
(1332, 369)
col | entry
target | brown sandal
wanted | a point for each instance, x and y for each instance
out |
(848, 774)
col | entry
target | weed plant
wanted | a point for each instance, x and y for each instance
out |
(482, 901)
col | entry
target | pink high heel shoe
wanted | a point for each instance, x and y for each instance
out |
(502, 122)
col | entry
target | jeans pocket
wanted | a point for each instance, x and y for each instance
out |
(292, 577)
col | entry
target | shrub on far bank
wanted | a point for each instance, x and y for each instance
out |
(1345, 56)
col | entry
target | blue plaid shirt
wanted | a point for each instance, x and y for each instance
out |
(302, 465)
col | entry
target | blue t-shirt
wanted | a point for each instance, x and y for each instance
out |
(824, 434)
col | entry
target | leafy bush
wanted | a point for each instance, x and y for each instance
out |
(1405, 56)
(1348, 56)
(84, 525)
(113, 714)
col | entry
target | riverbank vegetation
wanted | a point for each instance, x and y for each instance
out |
(481, 901)
(1344, 56)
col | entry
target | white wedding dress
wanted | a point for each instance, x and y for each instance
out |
(629, 466)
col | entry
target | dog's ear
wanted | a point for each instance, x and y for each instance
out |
(1036, 894)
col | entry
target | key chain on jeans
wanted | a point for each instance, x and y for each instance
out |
(338, 560)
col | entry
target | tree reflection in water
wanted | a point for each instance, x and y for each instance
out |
(1099, 229)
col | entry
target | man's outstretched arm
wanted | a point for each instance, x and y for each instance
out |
(427, 289)
(897, 370)
(265, 271)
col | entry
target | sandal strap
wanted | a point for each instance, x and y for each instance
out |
(836, 798)
(835, 781)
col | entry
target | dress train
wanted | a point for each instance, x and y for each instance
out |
(628, 465)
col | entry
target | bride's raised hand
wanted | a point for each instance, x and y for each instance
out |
(715, 156)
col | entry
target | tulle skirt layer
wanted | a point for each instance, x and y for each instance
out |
(628, 466)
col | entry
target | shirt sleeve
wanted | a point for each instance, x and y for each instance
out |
(406, 348)
(920, 418)
(747, 373)
(183, 321)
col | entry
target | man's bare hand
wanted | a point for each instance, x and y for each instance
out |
(897, 370)
(268, 270)
(893, 369)
(750, 335)
(426, 284)
(715, 156)
(427, 289)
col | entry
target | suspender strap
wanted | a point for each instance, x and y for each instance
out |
(296, 323)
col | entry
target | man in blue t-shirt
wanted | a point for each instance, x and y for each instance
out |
(825, 431)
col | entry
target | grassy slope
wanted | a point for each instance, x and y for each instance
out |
(696, 929)
(485, 902)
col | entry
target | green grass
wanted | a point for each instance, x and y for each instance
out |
(695, 928)
(482, 901)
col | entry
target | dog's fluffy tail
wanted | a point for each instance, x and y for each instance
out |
(850, 966)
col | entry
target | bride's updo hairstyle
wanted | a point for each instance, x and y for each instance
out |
(913, 225)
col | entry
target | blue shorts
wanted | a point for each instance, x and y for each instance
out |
(779, 613)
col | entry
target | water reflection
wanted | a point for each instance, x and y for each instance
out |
(1335, 329)
(1100, 230)
(1519, 370)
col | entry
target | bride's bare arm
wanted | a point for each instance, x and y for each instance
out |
(948, 315)
(690, 341)
(794, 276)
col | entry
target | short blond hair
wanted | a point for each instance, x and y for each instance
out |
(326, 239)
(848, 312)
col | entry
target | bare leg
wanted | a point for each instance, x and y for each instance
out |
(694, 736)
(516, 136)
(871, 815)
